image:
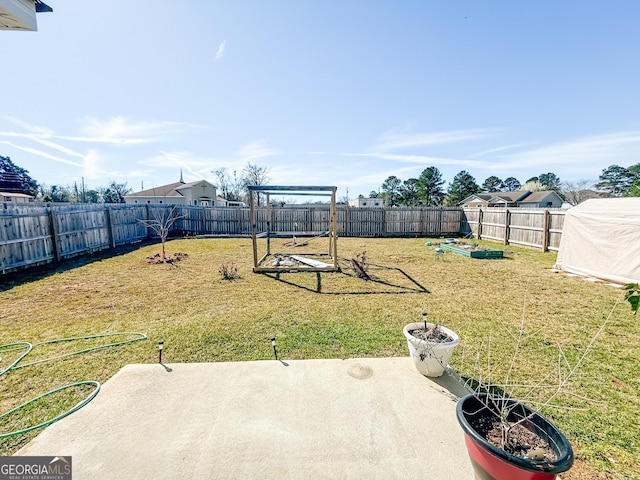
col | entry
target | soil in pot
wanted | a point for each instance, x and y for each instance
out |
(525, 457)
(433, 333)
(521, 441)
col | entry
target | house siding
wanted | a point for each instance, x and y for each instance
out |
(200, 193)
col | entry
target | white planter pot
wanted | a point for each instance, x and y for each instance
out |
(430, 358)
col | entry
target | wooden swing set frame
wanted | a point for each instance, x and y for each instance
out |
(303, 263)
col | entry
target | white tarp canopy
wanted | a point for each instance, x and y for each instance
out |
(601, 239)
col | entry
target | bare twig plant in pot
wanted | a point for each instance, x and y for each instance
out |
(430, 346)
(506, 435)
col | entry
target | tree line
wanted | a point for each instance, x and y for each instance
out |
(429, 188)
(15, 179)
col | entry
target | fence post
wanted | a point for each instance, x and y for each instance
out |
(545, 231)
(112, 237)
(507, 224)
(384, 222)
(55, 241)
(347, 221)
(480, 224)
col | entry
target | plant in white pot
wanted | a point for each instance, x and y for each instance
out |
(430, 346)
(506, 435)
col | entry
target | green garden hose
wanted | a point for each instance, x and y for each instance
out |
(55, 419)
(15, 346)
(141, 336)
(28, 347)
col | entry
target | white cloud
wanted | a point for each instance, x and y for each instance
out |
(28, 126)
(193, 166)
(391, 140)
(254, 151)
(91, 168)
(583, 154)
(42, 154)
(122, 130)
(56, 146)
(499, 149)
(425, 160)
(570, 159)
(138, 173)
(220, 51)
(115, 130)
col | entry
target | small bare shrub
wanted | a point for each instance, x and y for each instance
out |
(360, 265)
(229, 271)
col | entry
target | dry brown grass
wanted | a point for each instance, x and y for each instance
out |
(203, 318)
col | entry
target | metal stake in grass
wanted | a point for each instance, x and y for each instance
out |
(273, 342)
(160, 347)
(424, 319)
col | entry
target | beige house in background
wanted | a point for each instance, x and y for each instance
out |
(545, 199)
(366, 202)
(15, 197)
(199, 193)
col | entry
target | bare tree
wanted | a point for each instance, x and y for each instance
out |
(223, 184)
(254, 175)
(576, 192)
(162, 222)
(236, 187)
(115, 192)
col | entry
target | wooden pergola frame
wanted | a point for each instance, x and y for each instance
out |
(306, 265)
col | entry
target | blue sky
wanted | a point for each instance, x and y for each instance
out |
(338, 92)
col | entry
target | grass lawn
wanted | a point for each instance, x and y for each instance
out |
(203, 318)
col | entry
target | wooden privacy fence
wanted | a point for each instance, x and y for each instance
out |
(531, 227)
(33, 235)
(352, 222)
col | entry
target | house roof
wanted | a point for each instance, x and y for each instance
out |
(170, 190)
(510, 197)
(484, 197)
(161, 191)
(536, 197)
(517, 196)
(190, 184)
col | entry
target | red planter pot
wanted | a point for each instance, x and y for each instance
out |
(493, 463)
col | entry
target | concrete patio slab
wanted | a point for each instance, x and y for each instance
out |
(363, 419)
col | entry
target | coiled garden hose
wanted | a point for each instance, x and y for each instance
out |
(141, 336)
(28, 347)
(55, 419)
(15, 346)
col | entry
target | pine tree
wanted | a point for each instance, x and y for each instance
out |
(463, 185)
(430, 191)
(391, 191)
(615, 180)
(512, 184)
(493, 184)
